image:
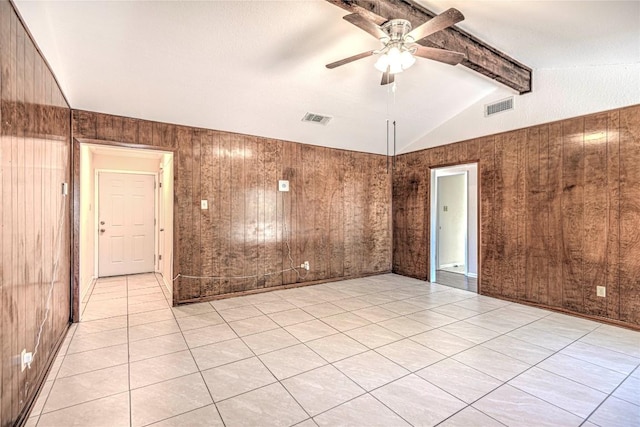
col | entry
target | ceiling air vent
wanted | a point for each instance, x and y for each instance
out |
(316, 118)
(498, 107)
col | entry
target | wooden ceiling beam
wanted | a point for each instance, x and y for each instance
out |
(481, 57)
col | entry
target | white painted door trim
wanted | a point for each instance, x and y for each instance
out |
(433, 238)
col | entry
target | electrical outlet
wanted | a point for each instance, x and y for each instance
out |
(25, 359)
(283, 185)
(601, 291)
(204, 204)
(306, 265)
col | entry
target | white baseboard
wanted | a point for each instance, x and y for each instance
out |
(165, 283)
(453, 264)
(89, 287)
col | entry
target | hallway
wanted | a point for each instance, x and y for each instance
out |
(383, 350)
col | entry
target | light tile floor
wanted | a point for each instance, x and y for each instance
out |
(378, 351)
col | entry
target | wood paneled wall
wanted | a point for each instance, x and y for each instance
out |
(34, 154)
(337, 214)
(559, 213)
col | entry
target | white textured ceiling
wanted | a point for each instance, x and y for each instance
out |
(256, 67)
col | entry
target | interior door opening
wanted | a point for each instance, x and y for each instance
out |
(454, 226)
(131, 230)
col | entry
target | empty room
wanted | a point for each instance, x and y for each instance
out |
(320, 213)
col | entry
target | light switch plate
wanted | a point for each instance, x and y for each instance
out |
(204, 204)
(283, 185)
(601, 291)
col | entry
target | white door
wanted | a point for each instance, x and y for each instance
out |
(126, 208)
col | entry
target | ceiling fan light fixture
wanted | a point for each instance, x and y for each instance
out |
(382, 63)
(407, 59)
(394, 60)
(394, 55)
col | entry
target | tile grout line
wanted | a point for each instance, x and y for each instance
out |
(213, 402)
(129, 358)
(610, 395)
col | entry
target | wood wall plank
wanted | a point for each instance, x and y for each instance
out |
(630, 215)
(236, 266)
(555, 244)
(613, 216)
(520, 139)
(194, 208)
(488, 278)
(224, 208)
(542, 235)
(535, 198)
(336, 214)
(183, 213)
(272, 208)
(251, 200)
(573, 213)
(595, 237)
(208, 220)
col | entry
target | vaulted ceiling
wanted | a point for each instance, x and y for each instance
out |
(257, 67)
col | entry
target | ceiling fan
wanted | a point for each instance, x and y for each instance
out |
(399, 43)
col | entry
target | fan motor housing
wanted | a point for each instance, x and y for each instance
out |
(396, 29)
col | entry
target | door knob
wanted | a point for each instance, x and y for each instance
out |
(101, 222)
(102, 230)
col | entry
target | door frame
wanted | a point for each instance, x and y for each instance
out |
(433, 215)
(75, 184)
(96, 214)
(437, 216)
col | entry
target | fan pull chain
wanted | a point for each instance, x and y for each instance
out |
(393, 165)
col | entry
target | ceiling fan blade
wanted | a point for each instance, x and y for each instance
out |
(350, 59)
(366, 25)
(440, 55)
(387, 77)
(435, 24)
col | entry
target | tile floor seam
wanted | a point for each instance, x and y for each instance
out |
(366, 393)
(83, 402)
(204, 345)
(129, 360)
(608, 349)
(391, 409)
(213, 401)
(55, 377)
(536, 365)
(277, 381)
(410, 371)
(550, 403)
(610, 395)
(276, 378)
(200, 371)
(579, 381)
(470, 405)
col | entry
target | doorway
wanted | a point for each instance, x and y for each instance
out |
(125, 223)
(454, 226)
